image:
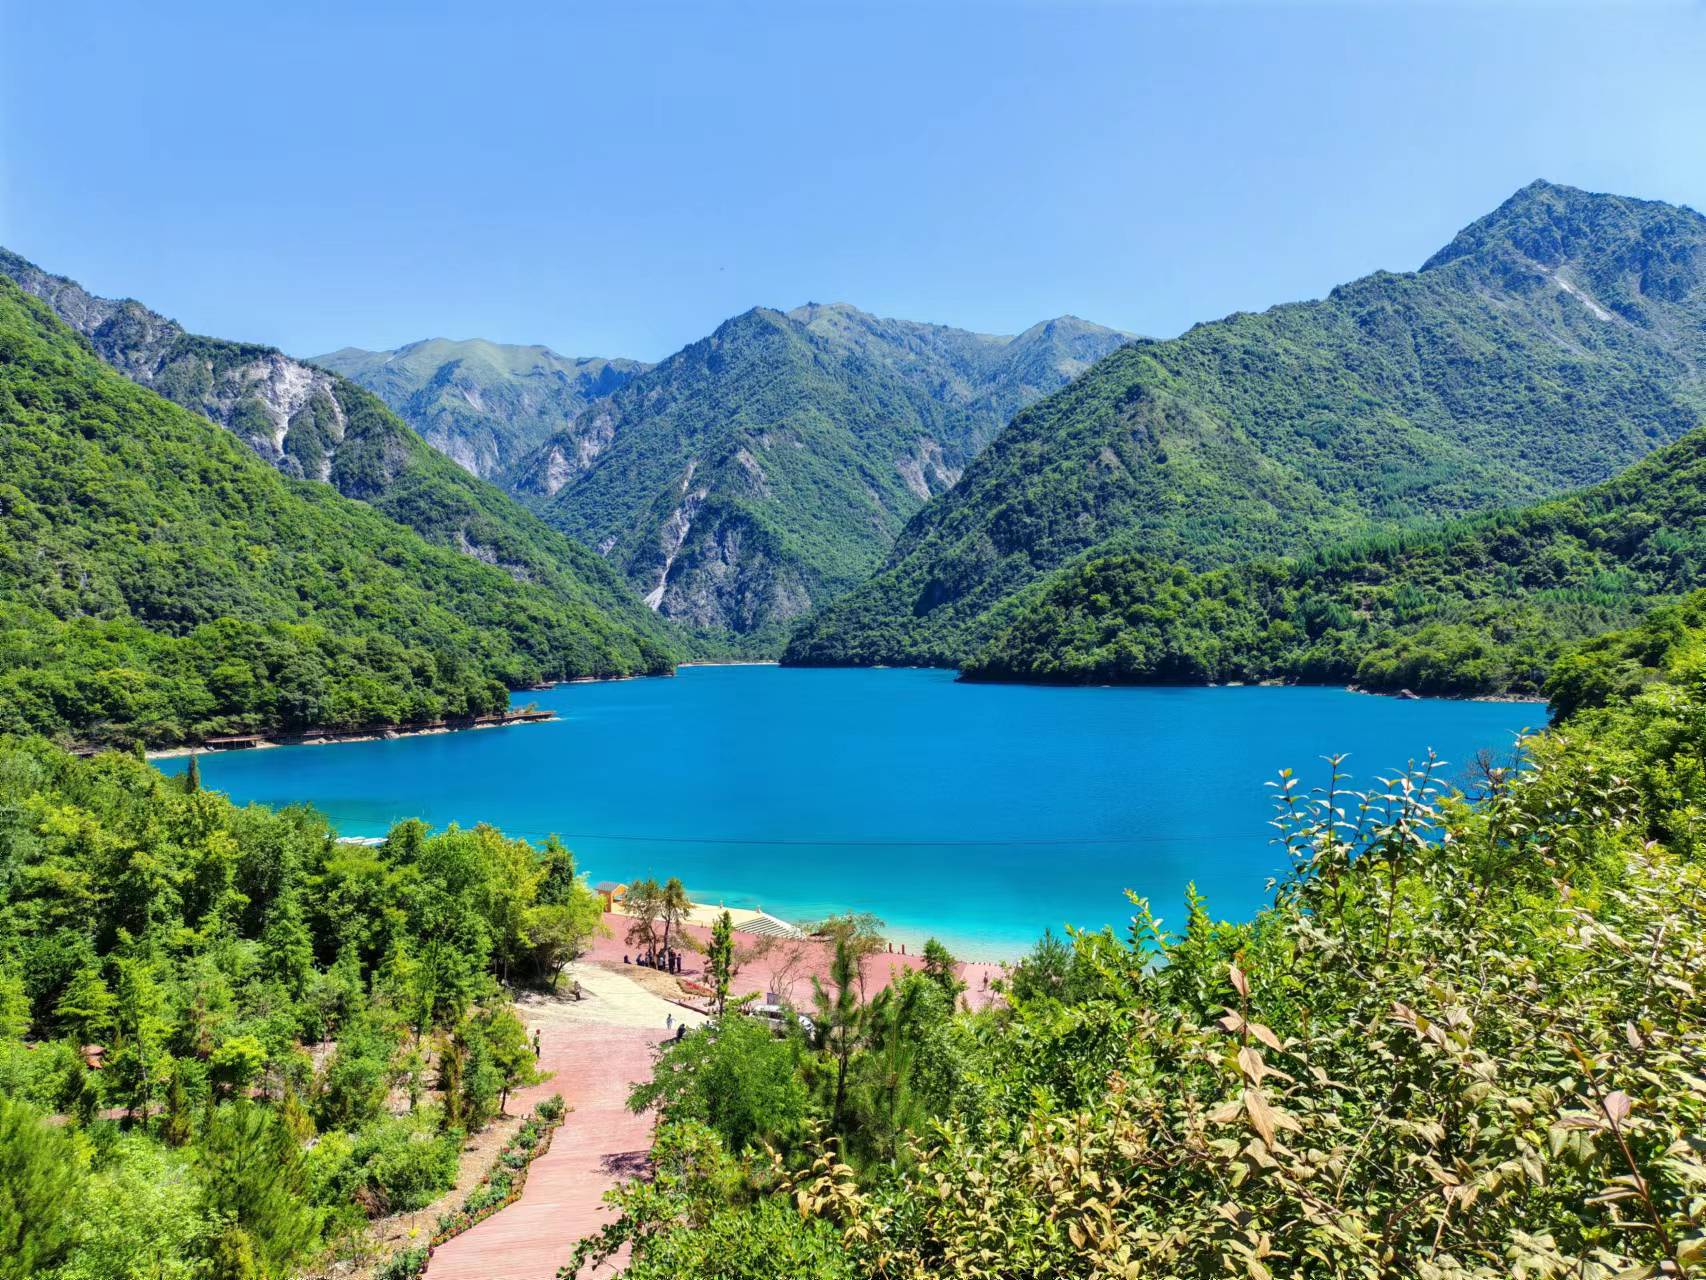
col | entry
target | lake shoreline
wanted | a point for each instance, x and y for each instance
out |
(329, 738)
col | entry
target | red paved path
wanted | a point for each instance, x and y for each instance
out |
(599, 1143)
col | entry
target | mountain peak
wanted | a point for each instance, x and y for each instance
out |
(1552, 225)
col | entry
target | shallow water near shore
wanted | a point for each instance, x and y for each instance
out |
(979, 813)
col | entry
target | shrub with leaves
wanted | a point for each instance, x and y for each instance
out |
(1468, 1039)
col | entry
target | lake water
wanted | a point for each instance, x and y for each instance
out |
(980, 813)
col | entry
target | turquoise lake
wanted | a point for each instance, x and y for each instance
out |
(979, 813)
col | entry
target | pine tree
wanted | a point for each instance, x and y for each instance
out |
(839, 1019)
(192, 775)
(720, 960)
(40, 1168)
(86, 1007)
(176, 1130)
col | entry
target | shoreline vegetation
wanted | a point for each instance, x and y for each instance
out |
(334, 737)
(1471, 1052)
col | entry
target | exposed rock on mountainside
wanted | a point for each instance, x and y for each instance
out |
(315, 425)
(160, 583)
(768, 467)
(483, 404)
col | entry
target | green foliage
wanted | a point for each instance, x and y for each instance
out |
(1477, 606)
(687, 1221)
(40, 1182)
(144, 1216)
(399, 1163)
(265, 998)
(734, 1076)
(1466, 1040)
(160, 583)
(720, 960)
(1551, 344)
(254, 1180)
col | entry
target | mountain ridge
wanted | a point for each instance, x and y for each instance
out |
(484, 404)
(313, 424)
(768, 466)
(161, 582)
(1490, 378)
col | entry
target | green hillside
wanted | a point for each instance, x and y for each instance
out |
(483, 404)
(768, 467)
(1550, 344)
(161, 583)
(1477, 606)
(314, 425)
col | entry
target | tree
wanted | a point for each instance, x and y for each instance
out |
(644, 903)
(254, 1175)
(720, 959)
(86, 1007)
(559, 931)
(560, 882)
(176, 1128)
(14, 1006)
(237, 1064)
(838, 1020)
(41, 1177)
(673, 906)
(139, 1063)
(861, 932)
(940, 967)
(734, 1075)
(514, 874)
(192, 775)
(511, 1054)
(287, 952)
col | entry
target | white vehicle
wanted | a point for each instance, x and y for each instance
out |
(777, 1016)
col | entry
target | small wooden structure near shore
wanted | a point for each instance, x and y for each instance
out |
(234, 741)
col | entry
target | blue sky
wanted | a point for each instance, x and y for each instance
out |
(616, 179)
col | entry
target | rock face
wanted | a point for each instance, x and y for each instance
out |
(767, 468)
(313, 424)
(1550, 343)
(284, 410)
(482, 404)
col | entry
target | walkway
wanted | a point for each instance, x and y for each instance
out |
(598, 1048)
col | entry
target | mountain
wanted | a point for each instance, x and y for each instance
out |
(315, 425)
(159, 582)
(767, 468)
(1552, 343)
(483, 404)
(1481, 605)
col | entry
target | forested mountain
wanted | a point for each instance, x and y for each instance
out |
(1553, 342)
(159, 582)
(315, 425)
(483, 404)
(768, 467)
(1480, 605)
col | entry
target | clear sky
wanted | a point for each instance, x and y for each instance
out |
(617, 178)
